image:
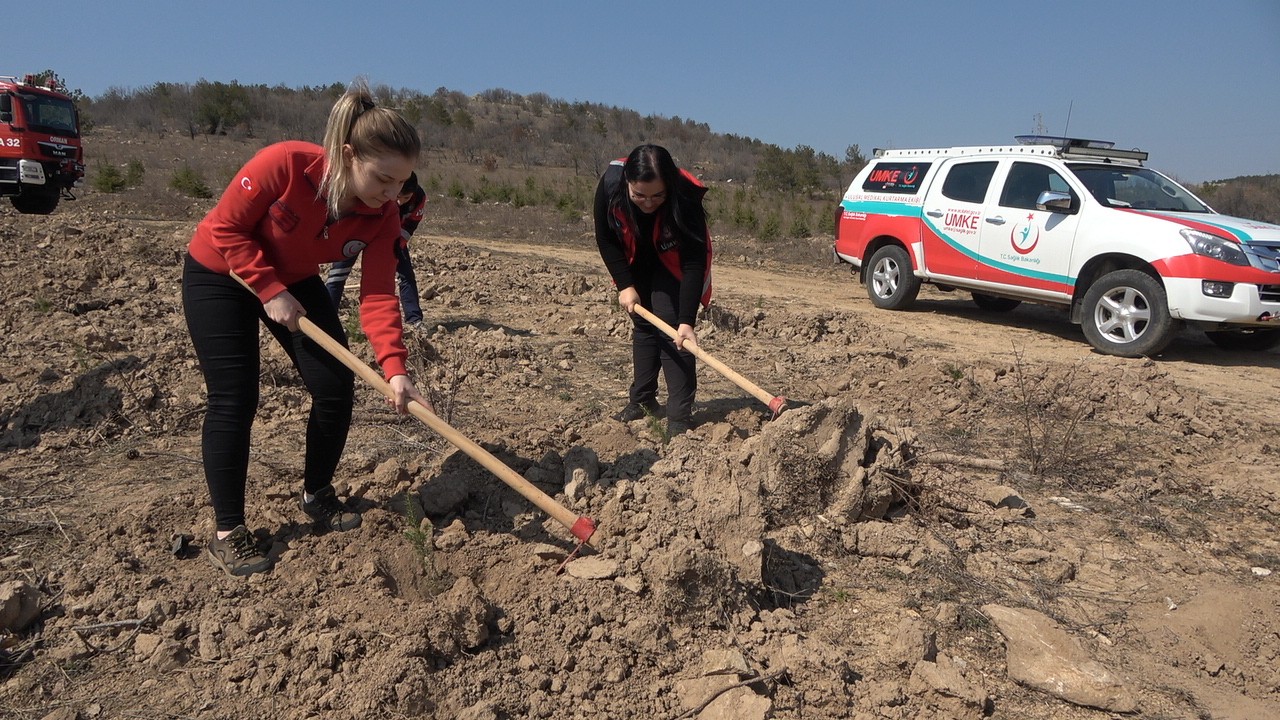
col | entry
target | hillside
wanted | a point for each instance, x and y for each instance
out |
(520, 150)
(496, 147)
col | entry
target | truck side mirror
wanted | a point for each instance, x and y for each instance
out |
(1054, 201)
(6, 107)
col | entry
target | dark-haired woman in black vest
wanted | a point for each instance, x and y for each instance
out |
(651, 229)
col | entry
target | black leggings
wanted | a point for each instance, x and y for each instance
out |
(652, 349)
(223, 319)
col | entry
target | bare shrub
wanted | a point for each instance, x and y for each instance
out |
(1053, 410)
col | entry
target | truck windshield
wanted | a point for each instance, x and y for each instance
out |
(45, 113)
(1140, 188)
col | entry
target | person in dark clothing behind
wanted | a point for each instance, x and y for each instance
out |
(651, 229)
(412, 201)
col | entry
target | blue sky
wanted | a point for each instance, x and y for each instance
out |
(1195, 83)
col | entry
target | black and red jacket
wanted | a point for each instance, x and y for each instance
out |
(680, 254)
(411, 214)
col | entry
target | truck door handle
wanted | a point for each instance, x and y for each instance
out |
(933, 213)
(997, 220)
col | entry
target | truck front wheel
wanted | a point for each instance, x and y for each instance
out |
(1126, 313)
(35, 203)
(890, 282)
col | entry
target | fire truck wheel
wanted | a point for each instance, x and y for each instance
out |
(35, 204)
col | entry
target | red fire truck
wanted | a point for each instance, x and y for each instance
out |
(41, 157)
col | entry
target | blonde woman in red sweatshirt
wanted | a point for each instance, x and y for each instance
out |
(292, 207)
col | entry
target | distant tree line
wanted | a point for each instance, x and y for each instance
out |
(767, 190)
(494, 127)
(1251, 196)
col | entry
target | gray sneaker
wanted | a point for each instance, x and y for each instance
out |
(238, 554)
(330, 513)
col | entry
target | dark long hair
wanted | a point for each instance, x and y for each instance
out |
(411, 185)
(652, 162)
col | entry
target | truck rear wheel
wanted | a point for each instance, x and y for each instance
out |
(35, 203)
(890, 282)
(1126, 313)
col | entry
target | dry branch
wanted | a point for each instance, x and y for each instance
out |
(942, 458)
(717, 693)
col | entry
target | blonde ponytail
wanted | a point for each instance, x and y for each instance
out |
(370, 130)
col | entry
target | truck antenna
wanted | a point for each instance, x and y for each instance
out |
(1068, 125)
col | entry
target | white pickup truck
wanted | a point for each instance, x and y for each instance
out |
(1063, 221)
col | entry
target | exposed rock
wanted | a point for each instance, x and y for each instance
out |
(594, 567)
(1043, 656)
(1000, 496)
(738, 704)
(887, 540)
(581, 465)
(19, 605)
(724, 662)
(946, 679)
(913, 641)
(391, 473)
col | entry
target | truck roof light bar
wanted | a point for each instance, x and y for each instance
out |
(1030, 144)
(1082, 147)
(1138, 155)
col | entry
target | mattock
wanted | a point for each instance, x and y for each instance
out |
(775, 402)
(581, 526)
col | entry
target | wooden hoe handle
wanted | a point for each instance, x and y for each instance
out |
(582, 527)
(775, 402)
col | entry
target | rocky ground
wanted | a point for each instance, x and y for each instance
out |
(958, 515)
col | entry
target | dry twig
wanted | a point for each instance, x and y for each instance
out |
(717, 693)
(941, 458)
(108, 625)
(82, 629)
(60, 528)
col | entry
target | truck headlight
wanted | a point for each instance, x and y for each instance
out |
(1213, 246)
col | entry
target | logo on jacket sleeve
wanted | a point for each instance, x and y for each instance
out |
(352, 248)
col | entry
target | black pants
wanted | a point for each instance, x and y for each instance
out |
(652, 349)
(223, 319)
